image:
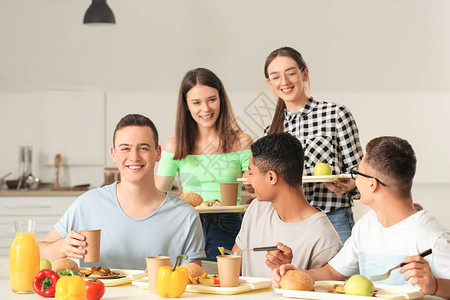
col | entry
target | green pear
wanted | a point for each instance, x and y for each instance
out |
(322, 169)
(45, 264)
(359, 285)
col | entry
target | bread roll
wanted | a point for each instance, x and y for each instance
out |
(193, 269)
(297, 280)
(61, 264)
(193, 199)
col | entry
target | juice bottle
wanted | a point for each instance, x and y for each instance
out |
(23, 258)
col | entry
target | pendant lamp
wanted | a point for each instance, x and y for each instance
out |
(99, 13)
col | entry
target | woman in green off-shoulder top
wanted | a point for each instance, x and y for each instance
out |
(208, 148)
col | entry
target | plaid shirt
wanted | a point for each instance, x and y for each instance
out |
(328, 133)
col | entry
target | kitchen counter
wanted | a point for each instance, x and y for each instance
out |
(41, 193)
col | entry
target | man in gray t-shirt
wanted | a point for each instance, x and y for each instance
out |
(281, 215)
(136, 219)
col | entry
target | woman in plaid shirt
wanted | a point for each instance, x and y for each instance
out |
(327, 131)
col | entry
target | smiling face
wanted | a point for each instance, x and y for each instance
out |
(204, 105)
(290, 81)
(135, 153)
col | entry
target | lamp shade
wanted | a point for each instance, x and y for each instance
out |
(99, 12)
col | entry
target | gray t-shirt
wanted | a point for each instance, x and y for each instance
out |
(173, 229)
(313, 241)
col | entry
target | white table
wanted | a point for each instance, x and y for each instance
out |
(129, 291)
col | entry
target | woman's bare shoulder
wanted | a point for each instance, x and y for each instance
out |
(245, 141)
(170, 145)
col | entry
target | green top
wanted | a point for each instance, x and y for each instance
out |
(203, 174)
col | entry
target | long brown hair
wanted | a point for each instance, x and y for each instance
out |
(186, 130)
(278, 116)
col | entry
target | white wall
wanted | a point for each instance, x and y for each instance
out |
(386, 60)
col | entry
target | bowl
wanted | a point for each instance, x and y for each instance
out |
(13, 183)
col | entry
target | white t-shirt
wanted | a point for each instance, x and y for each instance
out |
(314, 241)
(373, 249)
(173, 229)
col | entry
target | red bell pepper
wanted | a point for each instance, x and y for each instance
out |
(44, 283)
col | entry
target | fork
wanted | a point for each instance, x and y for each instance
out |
(269, 248)
(388, 273)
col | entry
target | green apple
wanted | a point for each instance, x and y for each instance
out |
(322, 169)
(45, 264)
(359, 285)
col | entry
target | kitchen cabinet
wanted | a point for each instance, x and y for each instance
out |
(45, 210)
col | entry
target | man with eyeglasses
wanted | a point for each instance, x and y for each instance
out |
(393, 231)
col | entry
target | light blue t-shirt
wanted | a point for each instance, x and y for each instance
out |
(173, 229)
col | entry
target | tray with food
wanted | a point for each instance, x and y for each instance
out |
(213, 206)
(202, 282)
(100, 273)
(298, 284)
(222, 209)
(312, 179)
(113, 277)
(325, 178)
(207, 285)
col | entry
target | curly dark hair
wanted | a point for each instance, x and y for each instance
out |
(136, 120)
(281, 153)
(395, 158)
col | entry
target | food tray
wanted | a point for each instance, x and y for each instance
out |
(248, 284)
(309, 179)
(325, 178)
(125, 277)
(222, 209)
(391, 292)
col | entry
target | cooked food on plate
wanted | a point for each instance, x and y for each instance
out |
(297, 280)
(198, 276)
(205, 278)
(213, 202)
(96, 272)
(337, 289)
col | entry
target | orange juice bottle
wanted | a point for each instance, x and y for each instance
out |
(24, 257)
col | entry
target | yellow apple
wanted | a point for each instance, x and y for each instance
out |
(322, 169)
(359, 285)
(45, 264)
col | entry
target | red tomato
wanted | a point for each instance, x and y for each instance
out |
(95, 289)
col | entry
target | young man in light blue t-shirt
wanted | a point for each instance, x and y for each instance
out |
(136, 219)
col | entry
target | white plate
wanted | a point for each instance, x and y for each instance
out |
(248, 284)
(130, 276)
(309, 179)
(391, 292)
(118, 274)
(222, 209)
(325, 178)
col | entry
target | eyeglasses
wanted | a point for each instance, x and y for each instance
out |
(291, 75)
(353, 172)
